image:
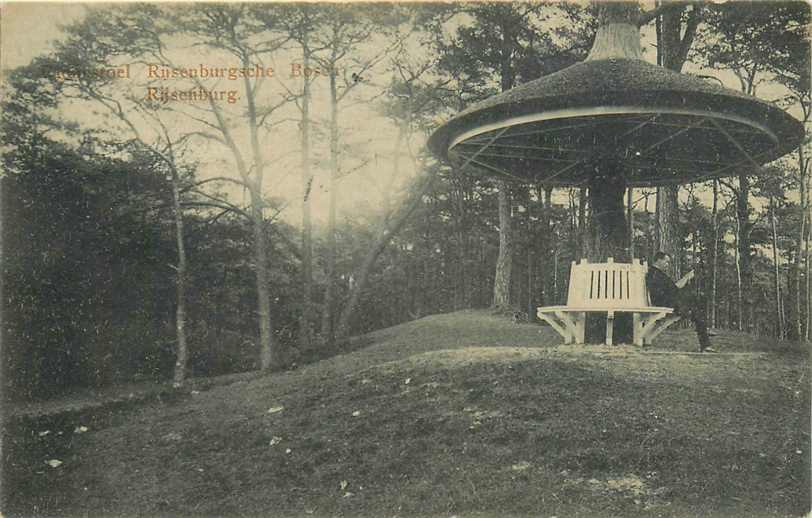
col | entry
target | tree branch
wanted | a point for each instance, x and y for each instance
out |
(647, 16)
(221, 205)
(342, 174)
(218, 179)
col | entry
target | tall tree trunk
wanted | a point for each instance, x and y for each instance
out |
(803, 204)
(455, 230)
(651, 226)
(531, 282)
(743, 242)
(555, 276)
(776, 272)
(608, 238)
(306, 316)
(617, 35)
(673, 44)
(582, 231)
(463, 238)
(504, 263)
(715, 252)
(669, 240)
(181, 352)
(608, 229)
(544, 252)
(694, 258)
(328, 317)
(267, 350)
(808, 274)
(533, 254)
(739, 290)
(808, 261)
(630, 219)
(751, 317)
(656, 221)
(268, 355)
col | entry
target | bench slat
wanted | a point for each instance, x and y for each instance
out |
(649, 309)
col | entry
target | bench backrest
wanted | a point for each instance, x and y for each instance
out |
(608, 285)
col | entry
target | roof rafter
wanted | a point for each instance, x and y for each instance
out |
(697, 123)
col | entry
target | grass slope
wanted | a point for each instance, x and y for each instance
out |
(462, 414)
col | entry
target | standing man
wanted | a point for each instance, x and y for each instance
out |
(666, 293)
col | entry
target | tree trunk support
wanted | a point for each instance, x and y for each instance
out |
(608, 238)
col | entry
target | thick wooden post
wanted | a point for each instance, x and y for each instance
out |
(607, 188)
(608, 238)
(617, 37)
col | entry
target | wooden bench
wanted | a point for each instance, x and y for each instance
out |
(609, 288)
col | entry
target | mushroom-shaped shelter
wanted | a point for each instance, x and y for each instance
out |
(659, 126)
(615, 121)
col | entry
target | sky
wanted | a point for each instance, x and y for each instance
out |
(27, 30)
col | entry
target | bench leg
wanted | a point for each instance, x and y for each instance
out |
(571, 326)
(580, 327)
(559, 326)
(646, 325)
(659, 326)
(610, 326)
(571, 322)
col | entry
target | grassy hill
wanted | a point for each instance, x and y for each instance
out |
(462, 414)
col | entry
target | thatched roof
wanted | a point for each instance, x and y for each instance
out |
(687, 137)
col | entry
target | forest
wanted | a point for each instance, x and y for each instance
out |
(152, 234)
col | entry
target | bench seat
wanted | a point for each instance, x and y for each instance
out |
(608, 288)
